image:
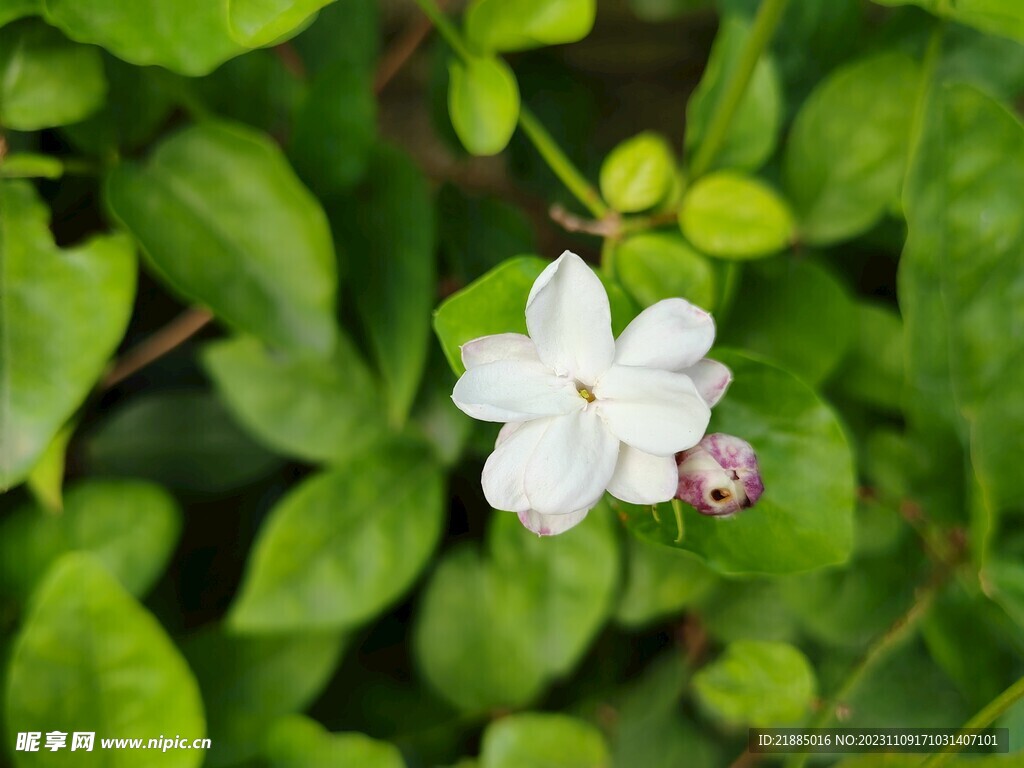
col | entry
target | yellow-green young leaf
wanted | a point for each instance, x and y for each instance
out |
(534, 740)
(46, 480)
(754, 129)
(225, 222)
(248, 682)
(344, 544)
(129, 526)
(15, 9)
(733, 216)
(299, 742)
(757, 683)
(28, 165)
(45, 79)
(997, 17)
(847, 152)
(660, 265)
(515, 25)
(638, 173)
(483, 101)
(255, 23)
(91, 659)
(63, 313)
(192, 37)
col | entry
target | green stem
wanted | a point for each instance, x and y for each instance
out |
(560, 164)
(608, 257)
(902, 629)
(984, 718)
(446, 28)
(766, 21)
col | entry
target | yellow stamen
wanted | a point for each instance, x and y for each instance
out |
(586, 395)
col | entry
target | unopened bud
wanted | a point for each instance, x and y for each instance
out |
(719, 476)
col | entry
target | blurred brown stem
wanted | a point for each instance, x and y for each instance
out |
(402, 49)
(171, 336)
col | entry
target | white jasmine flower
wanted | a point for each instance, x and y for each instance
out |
(586, 413)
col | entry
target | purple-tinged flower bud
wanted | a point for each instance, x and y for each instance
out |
(719, 476)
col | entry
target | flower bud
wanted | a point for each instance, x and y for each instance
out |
(719, 476)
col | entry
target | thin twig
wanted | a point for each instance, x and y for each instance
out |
(174, 334)
(402, 49)
(609, 226)
(291, 60)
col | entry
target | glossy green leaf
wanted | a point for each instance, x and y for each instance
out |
(191, 38)
(15, 9)
(804, 520)
(660, 265)
(515, 25)
(343, 545)
(757, 683)
(732, 216)
(872, 371)
(334, 129)
(847, 151)
(496, 303)
(225, 222)
(638, 173)
(298, 742)
(184, 440)
(660, 582)
(90, 658)
(535, 740)
(29, 165)
(388, 234)
(483, 102)
(997, 17)
(316, 410)
(795, 313)
(754, 129)
(249, 682)
(525, 613)
(128, 526)
(260, 22)
(45, 79)
(46, 480)
(967, 240)
(63, 313)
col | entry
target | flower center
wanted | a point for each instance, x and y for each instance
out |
(586, 394)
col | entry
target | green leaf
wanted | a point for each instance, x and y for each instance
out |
(638, 173)
(15, 9)
(298, 742)
(795, 313)
(335, 128)
(249, 682)
(63, 313)
(225, 222)
(872, 371)
(45, 79)
(354, 21)
(316, 410)
(526, 612)
(496, 303)
(733, 216)
(46, 480)
(184, 440)
(535, 740)
(1004, 582)
(388, 234)
(343, 545)
(255, 23)
(483, 102)
(757, 683)
(90, 658)
(749, 609)
(997, 17)
(130, 527)
(515, 25)
(28, 165)
(847, 151)
(804, 520)
(191, 40)
(660, 582)
(754, 129)
(661, 265)
(966, 235)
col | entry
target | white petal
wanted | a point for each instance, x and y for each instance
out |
(571, 465)
(659, 412)
(501, 346)
(569, 319)
(505, 469)
(514, 390)
(551, 525)
(672, 334)
(642, 478)
(711, 378)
